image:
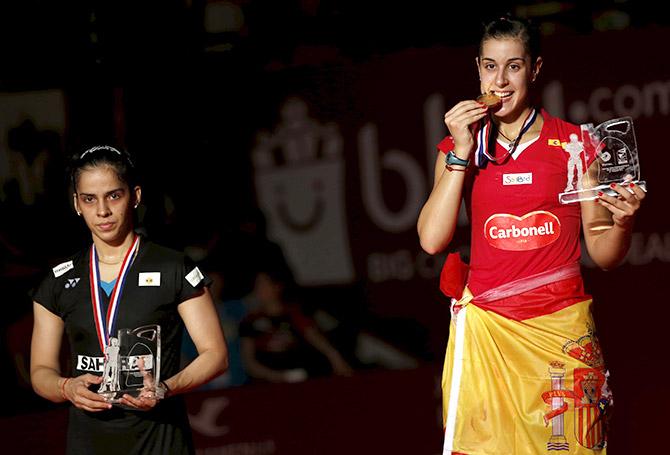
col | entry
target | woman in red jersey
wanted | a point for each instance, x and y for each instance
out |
(523, 371)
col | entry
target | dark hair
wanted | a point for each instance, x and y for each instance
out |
(280, 274)
(104, 155)
(512, 27)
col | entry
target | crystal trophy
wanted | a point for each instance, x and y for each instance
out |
(132, 364)
(606, 154)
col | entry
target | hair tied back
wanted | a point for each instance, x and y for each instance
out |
(108, 148)
(100, 147)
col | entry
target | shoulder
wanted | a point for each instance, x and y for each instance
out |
(63, 273)
(64, 267)
(298, 317)
(163, 254)
(559, 127)
(176, 263)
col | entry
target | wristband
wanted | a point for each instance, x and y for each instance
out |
(452, 159)
(452, 169)
(167, 389)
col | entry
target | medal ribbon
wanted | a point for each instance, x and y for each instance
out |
(483, 142)
(105, 326)
(483, 139)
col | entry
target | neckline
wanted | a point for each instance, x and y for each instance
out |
(144, 241)
(133, 236)
(531, 142)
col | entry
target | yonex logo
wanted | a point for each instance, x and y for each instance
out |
(71, 282)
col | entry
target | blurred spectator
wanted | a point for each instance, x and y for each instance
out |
(231, 312)
(28, 157)
(279, 343)
(230, 253)
(236, 253)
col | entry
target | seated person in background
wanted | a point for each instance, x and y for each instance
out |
(279, 342)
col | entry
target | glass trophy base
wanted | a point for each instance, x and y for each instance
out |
(115, 396)
(592, 193)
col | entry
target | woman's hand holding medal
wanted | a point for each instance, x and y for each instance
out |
(461, 119)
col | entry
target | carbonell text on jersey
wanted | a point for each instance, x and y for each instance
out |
(518, 233)
(546, 229)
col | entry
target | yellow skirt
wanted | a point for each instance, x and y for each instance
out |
(530, 384)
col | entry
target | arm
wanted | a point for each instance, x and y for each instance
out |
(45, 373)
(438, 217)
(254, 367)
(321, 343)
(202, 323)
(608, 225)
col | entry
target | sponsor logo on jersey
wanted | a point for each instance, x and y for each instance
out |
(88, 363)
(150, 279)
(71, 283)
(518, 179)
(61, 269)
(195, 277)
(554, 142)
(528, 232)
(128, 363)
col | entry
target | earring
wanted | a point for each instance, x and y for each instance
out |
(78, 213)
(136, 205)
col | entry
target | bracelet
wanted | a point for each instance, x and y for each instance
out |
(62, 388)
(452, 169)
(165, 386)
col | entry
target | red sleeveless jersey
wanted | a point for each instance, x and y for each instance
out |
(518, 226)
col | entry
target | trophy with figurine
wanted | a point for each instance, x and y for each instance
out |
(132, 364)
(604, 155)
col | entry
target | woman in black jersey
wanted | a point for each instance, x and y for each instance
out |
(135, 283)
